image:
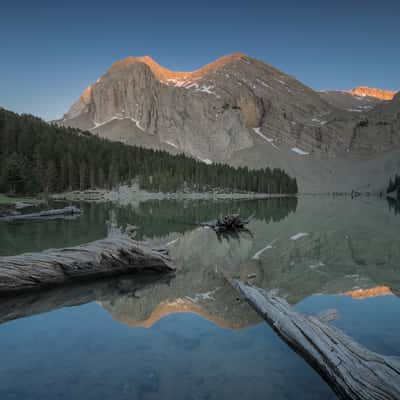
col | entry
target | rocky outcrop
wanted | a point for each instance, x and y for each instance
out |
(241, 111)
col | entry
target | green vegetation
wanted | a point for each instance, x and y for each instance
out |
(37, 157)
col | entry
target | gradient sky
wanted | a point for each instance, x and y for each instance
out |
(52, 50)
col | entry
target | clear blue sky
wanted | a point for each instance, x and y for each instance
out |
(51, 50)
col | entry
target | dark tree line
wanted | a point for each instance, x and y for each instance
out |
(394, 205)
(394, 186)
(37, 157)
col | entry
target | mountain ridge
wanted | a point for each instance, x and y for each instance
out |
(166, 75)
(163, 74)
(240, 111)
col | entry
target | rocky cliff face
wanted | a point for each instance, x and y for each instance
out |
(210, 113)
(237, 110)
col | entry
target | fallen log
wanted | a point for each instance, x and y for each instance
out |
(351, 370)
(116, 254)
(43, 215)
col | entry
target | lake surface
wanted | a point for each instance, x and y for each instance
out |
(189, 336)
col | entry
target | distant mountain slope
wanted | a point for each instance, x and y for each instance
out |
(359, 99)
(346, 100)
(242, 111)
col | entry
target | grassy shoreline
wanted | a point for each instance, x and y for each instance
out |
(6, 200)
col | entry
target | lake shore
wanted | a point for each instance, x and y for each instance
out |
(132, 194)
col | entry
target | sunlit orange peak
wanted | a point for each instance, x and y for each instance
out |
(164, 74)
(371, 292)
(373, 92)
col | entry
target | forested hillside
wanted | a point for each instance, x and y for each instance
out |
(38, 157)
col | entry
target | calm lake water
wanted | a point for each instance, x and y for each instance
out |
(188, 336)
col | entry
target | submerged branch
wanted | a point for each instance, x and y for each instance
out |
(229, 223)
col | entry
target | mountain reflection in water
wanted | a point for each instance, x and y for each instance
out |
(327, 247)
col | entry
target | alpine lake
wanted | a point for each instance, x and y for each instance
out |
(188, 335)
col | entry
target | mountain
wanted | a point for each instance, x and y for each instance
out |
(241, 111)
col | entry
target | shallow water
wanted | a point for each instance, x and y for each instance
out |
(189, 336)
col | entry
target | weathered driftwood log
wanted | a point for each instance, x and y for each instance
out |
(351, 370)
(116, 254)
(228, 223)
(43, 215)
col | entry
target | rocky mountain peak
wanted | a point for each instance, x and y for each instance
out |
(373, 92)
(168, 76)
